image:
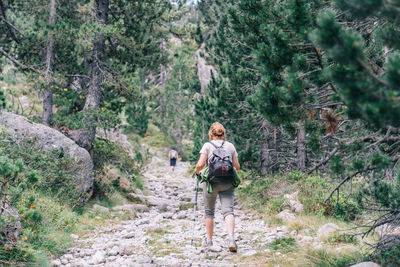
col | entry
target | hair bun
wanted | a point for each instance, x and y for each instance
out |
(217, 129)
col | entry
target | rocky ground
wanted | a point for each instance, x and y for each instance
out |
(159, 232)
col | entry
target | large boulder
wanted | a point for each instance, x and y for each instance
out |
(46, 138)
(10, 226)
(366, 264)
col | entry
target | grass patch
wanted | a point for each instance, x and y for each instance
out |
(337, 238)
(326, 258)
(185, 206)
(284, 245)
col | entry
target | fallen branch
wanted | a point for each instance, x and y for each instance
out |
(16, 62)
(345, 180)
(324, 161)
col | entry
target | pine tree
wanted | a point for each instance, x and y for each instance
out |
(137, 118)
(364, 65)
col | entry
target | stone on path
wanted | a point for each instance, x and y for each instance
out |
(249, 253)
(98, 258)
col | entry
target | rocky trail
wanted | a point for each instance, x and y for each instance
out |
(160, 230)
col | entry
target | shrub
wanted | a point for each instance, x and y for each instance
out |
(345, 209)
(52, 169)
(255, 194)
(389, 258)
(110, 153)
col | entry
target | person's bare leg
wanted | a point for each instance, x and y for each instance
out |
(209, 227)
(230, 225)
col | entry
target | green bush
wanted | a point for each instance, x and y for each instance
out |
(389, 258)
(110, 153)
(312, 193)
(53, 169)
(342, 238)
(255, 194)
(295, 176)
(345, 209)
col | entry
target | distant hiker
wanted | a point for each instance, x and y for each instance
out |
(172, 157)
(221, 157)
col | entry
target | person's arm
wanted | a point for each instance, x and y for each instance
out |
(236, 164)
(201, 163)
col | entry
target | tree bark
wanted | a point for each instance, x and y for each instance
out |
(48, 92)
(277, 147)
(301, 148)
(265, 154)
(179, 130)
(84, 137)
(163, 80)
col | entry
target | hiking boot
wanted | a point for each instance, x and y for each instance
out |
(207, 244)
(232, 245)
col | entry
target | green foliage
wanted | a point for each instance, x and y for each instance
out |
(285, 244)
(369, 96)
(52, 169)
(337, 238)
(255, 193)
(346, 209)
(39, 214)
(323, 258)
(137, 117)
(106, 152)
(389, 258)
(2, 100)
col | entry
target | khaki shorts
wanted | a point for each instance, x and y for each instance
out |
(226, 196)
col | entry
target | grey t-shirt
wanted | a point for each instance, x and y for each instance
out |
(228, 147)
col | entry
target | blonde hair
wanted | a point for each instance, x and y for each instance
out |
(217, 131)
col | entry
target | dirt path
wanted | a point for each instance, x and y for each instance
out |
(161, 232)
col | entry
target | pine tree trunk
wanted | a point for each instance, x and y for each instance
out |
(277, 147)
(163, 79)
(301, 148)
(265, 155)
(84, 137)
(48, 92)
(179, 133)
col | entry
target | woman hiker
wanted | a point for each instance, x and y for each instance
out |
(223, 189)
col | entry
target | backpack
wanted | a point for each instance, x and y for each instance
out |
(173, 154)
(220, 165)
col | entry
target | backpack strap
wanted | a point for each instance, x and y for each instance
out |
(216, 145)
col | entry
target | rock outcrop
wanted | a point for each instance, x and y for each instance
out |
(292, 202)
(46, 138)
(203, 69)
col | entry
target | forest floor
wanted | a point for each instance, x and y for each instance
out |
(159, 231)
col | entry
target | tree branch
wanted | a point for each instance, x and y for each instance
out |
(16, 62)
